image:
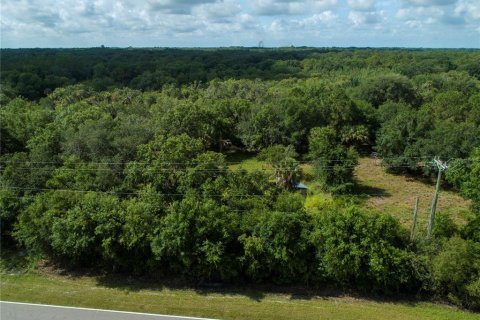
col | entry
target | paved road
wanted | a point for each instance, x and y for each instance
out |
(29, 311)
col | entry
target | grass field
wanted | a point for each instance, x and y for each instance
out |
(395, 194)
(241, 305)
(387, 193)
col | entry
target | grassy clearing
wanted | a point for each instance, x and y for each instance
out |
(389, 193)
(395, 194)
(247, 161)
(97, 293)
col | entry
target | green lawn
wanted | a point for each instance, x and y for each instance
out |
(248, 305)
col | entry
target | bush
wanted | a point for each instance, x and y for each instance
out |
(76, 229)
(276, 248)
(456, 272)
(444, 226)
(471, 231)
(365, 251)
(197, 239)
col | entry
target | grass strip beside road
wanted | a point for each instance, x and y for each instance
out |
(90, 292)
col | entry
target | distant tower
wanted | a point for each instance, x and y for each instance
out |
(260, 44)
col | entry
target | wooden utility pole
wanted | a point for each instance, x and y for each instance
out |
(415, 211)
(441, 166)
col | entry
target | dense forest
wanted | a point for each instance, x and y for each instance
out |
(121, 160)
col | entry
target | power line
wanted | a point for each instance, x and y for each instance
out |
(264, 166)
(189, 168)
(181, 194)
(226, 162)
(128, 193)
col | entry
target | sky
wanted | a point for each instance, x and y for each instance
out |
(224, 23)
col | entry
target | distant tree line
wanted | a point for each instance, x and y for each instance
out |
(33, 73)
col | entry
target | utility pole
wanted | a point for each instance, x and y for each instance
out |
(441, 166)
(415, 212)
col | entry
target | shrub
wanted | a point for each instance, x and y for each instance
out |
(456, 272)
(444, 226)
(471, 231)
(196, 238)
(364, 250)
(275, 247)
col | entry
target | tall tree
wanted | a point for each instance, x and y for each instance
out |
(334, 163)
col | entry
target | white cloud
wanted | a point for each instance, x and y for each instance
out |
(430, 12)
(417, 17)
(412, 13)
(429, 3)
(469, 8)
(359, 18)
(364, 12)
(311, 23)
(272, 7)
(75, 23)
(290, 7)
(324, 18)
(322, 5)
(175, 6)
(216, 10)
(361, 5)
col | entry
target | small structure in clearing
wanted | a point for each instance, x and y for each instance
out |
(301, 188)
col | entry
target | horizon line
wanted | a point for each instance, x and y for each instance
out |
(246, 47)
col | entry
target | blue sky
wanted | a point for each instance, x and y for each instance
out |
(212, 23)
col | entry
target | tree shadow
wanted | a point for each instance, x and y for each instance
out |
(236, 156)
(135, 284)
(253, 291)
(361, 190)
(231, 290)
(14, 261)
(127, 282)
(428, 180)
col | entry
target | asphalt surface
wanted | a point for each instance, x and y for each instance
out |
(29, 311)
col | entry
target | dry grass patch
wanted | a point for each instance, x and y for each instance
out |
(395, 194)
